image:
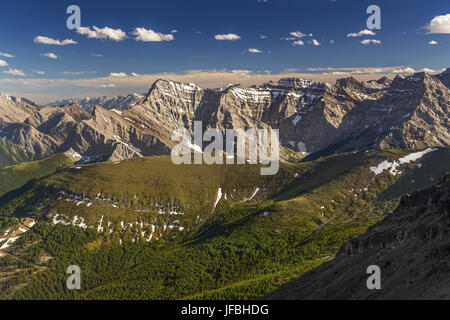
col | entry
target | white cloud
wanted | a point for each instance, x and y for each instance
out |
(145, 35)
(96, 55)
(296, 36)
(299, 34)
(227, 37)
(404, 70)
(102, 33)
(355, 70)
(41, 73)
(315, 42)
(298, 43)
(427, 70)
(135, 74)
(242, 73)
(253, 50)
(77, 73)
(118, 75)
(369, 41)
(6, 55)
(3, 63)
(50, 55)
(262, 36)
(364, 32)
(56, 42)
(432, 42)
(15, 72)
(205, 78)
(439, 25)
(371, 70)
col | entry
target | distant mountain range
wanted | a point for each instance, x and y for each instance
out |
(313, 118)
(117, 102)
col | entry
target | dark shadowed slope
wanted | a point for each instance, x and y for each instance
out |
(411, 247)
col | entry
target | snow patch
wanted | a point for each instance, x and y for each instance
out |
(254, 193)
(219, 197)
(296, 119)
(393, 166)
(302, 147)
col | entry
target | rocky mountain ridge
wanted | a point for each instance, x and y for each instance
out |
(117, 102)
(13, 109)
(409, 112)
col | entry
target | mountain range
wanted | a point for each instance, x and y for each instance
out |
(313, 118)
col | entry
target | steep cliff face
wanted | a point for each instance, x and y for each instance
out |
(113, 135)
(13, 109)
(30, 139)
(411, 247)
(412, 113)
(445, 77)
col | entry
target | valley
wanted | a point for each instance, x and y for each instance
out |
(243, 236)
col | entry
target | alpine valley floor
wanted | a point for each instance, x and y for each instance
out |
(147, 229)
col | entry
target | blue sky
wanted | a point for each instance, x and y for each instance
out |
(96, 66)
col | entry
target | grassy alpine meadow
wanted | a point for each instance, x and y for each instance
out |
(147, 229)
(14, 177)
(11, 154)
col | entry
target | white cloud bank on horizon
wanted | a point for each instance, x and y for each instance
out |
(128, 83)
(77, 73)
(372, 71)
(118, 75)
